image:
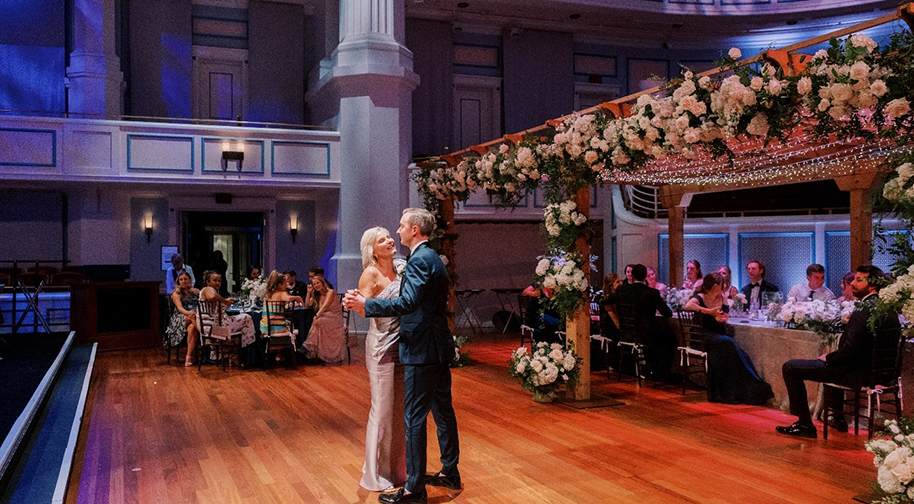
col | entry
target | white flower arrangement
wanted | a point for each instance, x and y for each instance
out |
(677, 298)
(254, 289)
(562, 215)
(547, 367)
(825, 317)
(561, 273)
(893, 456)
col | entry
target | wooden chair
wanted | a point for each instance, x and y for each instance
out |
(169, 347)
(209, 318)
(347, 317)
(67, 279)
(693, 359)
(526, 334)
(275, 315)
(32, 279)
(43, 270)
(631, 341)
(884, 380)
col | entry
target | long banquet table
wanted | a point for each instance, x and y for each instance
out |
(771, 346)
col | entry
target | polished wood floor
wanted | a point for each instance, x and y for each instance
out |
(166, 434)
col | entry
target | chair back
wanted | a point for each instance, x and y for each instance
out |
(888, 351)
(32, 279)
(274, 316)
(522, 303)
(692, 331)
(43, 270)
(68, 278)
(209, 313)
(628, 323)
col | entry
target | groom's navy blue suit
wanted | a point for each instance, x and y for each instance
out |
(426, 349)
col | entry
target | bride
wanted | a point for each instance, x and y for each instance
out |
(385, 450)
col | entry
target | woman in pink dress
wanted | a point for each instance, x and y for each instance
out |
(327, 339)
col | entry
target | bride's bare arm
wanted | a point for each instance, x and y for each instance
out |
(368, 282)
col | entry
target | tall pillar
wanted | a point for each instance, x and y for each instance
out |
(577, 324)
(676, 202)
(371, 79)
(94, 74)
(860, 185)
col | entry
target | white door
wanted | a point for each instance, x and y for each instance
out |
(220, 81)
(477, 110)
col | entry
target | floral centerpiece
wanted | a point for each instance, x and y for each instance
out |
(545, 369)
(461, 358)
(677, 298)
(893, 456)
(565, 279)
(827, 318)
(739, 303)
(254, 290)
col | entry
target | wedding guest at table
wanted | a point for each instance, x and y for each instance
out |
(628, 275)
(693, 275)
(295, 287)
(726, 289)
(847, 290)
(813, 289)
(254, 273)
(240, 323)
(659, 337)
(184, 299)
(609, 317)
(317, 271)
(732, 378)
(654, 284)
(276, 290)
(217, 263)
(849, 365)
(171, 275)
(757, 286)
(327, 338)
(545, 322)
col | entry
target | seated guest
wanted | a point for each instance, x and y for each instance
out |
(185, 299)
(327, 338)
(317, 271)
(240, 323)
(814, 288)
(732, 378)
(171, 275)
(276, 291)
(628, 275)
(654, 284)
(254, 273)
(847, 290)
(727, 290)
(849, 365)
(609, 325)
(295, 288)
(757, 285)
(544, 321)
(659, 338)
(693, 275)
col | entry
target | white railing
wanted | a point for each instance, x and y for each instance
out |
(643, 201)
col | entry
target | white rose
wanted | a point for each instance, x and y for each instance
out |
(590, 157)
(520, 367)
(840, 92)
(735, 53)
(542, 267)
(820, 54)
(898, 107)
(859, 70)
(878, 88)
(756, 83)
(804, 86)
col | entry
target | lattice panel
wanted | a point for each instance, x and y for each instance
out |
(710, 250)
(786, 256)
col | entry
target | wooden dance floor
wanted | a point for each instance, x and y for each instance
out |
(166, 434)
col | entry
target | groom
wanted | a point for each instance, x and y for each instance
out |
(426, 350)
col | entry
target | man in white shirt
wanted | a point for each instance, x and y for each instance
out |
(814, 289)
(171, 275)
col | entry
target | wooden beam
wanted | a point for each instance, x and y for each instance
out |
(676, 200)
(860, 185)
(577, 325)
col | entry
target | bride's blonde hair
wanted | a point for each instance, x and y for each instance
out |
(369, 237)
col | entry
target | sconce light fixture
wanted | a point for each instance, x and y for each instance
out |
(147, 225)
(293, 227)
(232, 155)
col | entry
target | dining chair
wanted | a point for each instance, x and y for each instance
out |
(279, 334)
(883, 381)
(214, 334)
(693, 358)
(347, 317)
(631, 342)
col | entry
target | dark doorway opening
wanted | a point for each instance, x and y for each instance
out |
(238, 235)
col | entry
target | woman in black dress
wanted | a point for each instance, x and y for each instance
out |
(732, 378)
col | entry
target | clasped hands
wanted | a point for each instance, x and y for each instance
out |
(354, 301)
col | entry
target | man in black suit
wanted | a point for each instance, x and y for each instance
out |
(757, 286)
(647, 302)
(849, 365)
(426, 350)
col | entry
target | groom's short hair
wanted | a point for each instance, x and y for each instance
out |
(422, 218)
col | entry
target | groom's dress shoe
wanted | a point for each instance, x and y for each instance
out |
(440, 480)
(837, 423)
(799, 430)
(400, 497)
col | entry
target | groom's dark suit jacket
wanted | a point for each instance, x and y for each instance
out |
(422, 307)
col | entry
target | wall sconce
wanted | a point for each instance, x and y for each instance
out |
(147, 225)
(232, 155)
(293, 227)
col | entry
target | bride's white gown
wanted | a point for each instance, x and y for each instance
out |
(385, 438)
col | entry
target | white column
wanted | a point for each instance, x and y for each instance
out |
(367, 95)
(94, 74)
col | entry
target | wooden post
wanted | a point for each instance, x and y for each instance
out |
(577, 325)
(448, 247)
(860, 186)
(676, 203)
